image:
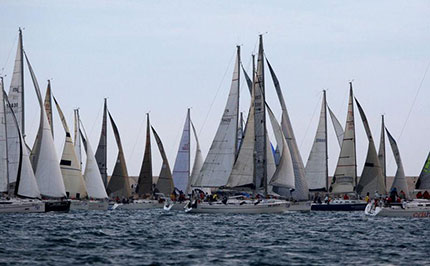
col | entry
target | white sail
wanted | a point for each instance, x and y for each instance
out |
(4, 179)
(93, 179)
(16, 99)
(181, 169)
(399, 182)
(77, 140)
(69, 164)
(47, 169)
(220, 159)
(344, 179)
(301, 191)
(338, 129)
(242, 173)
(317, 166)
(198, 161)
(371, 179)
(283, 176)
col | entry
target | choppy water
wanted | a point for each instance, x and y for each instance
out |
(123, 237)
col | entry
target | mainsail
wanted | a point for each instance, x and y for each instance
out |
(181, 169)
(198, 162)
(399, 179)
(423, 181)
(119, 185)
(345, 176)
(93, 179)
(70, 166)
(165, 180)
(301, 192)
(317, 166)
(101, 153)
(260, 151)
(371, 179)
(47, 169)
(144, 183)
(16, 99)
(48, 106)
(220, 159)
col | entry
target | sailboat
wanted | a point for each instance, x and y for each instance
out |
(249, 169)
(25, 197)
(345, 178)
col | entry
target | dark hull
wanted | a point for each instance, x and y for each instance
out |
(339, 207)
(57, 206)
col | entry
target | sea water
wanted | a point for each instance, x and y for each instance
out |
(156, 237)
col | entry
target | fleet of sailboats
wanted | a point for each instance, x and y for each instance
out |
(245, 171)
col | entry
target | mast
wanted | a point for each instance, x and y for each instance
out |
(48, 106)
(382, 152)
(4, 175)
(326, 137)
(260, 123)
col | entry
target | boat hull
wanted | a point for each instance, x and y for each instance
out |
(235, 208)
(22, 206)
(57, 206)
(300, 206)
(411, 210)
(340, 205)
(140, 205)
(85, 205)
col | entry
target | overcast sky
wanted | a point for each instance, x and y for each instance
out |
(165, 56)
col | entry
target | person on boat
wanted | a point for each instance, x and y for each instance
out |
(419, 195)
(346, 197)
(402, 195)
(393, 194)
(181, 196)
(173, 196)
(426, 195)
(367, 198)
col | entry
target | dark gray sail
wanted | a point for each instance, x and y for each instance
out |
(144, 184)
(165, 181)
(119, 185)
(260, 169)
(371, 179)
(48, 106)
(101, 153)
(382, 152)
(301, 191)
(423, 181)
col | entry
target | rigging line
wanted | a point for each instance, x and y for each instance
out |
(97, 117)
(415, 99)
(309, 124)
(216, 94)
(138, 136)
(8, 56)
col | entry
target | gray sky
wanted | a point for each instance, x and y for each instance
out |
(165, 56)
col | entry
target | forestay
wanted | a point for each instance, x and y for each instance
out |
(219, 162)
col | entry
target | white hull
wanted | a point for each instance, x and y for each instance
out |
(89, 205)
(140, 205)
(235, 207)
(21, 206)
(301, 206)
(414, 209)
